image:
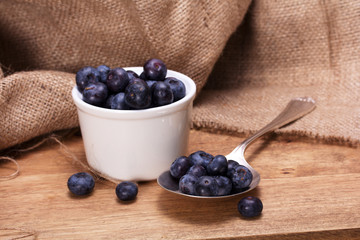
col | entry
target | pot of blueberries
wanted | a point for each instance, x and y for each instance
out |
(134, 120)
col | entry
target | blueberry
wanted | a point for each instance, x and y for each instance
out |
(155, 69)
(104, 72)
(108, 101)
(250, 206)
(117, 80)
(225, 185)
(142, 76)
(138, 94)
(162, 94)
(200, 157)
(241, 178)
(81, 183)
(85, 76)
(180, 166)
(231, 167)
(95, 93)
(217, 166)
(126, 191)
(132, 74)
(136, 80)
(197, 170)
(150, 83)
(232, 164)
(206, 186)
(117, 102)
(178, 87)
(187, 184)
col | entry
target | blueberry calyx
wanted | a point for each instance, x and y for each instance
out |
(206, 186)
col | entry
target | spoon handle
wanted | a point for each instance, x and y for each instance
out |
(295, 109)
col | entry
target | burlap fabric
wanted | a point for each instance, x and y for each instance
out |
(279, 50)
(285, 49)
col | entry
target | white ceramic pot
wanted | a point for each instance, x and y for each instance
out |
(136, 145)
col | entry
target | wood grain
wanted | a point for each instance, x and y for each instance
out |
(309, 191)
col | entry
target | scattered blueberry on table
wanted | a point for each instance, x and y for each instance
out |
(102, 86)
(126, 191)
(250, 206)
(81, 183)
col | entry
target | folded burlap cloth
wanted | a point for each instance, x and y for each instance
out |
(248, 59)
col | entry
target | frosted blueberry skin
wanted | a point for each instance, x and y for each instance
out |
(250, 206)
(104, 72)
(225, 185)
(241, 178)
(197, 170)
(206, 186)
(81, 183)
(95, 93)
(136, 80)
(138, 94)
(142, 76)
(180, 167)
(187, 184)
(85, 76)
(217, 166)
(117, 80)
(155, 69)
(178, 87)
(161, 94)
(150, 83)
(117, 102)
(108, 101)
(126, 191)
(200, 157)
(231, 167)
(132, 74)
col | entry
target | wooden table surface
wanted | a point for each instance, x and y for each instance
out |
(309, 191)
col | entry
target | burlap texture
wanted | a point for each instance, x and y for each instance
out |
(34, 103)
(286, 49)
(67, 35)
(280, 50)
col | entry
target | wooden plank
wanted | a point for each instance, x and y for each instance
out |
(309, 191)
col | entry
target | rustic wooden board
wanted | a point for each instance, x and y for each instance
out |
(309, 191)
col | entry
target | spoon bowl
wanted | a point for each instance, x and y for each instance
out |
(295, 109)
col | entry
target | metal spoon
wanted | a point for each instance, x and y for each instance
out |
(295, 109)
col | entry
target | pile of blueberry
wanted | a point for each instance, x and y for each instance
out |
(122, 89)
(83, 183)
(203, 174)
